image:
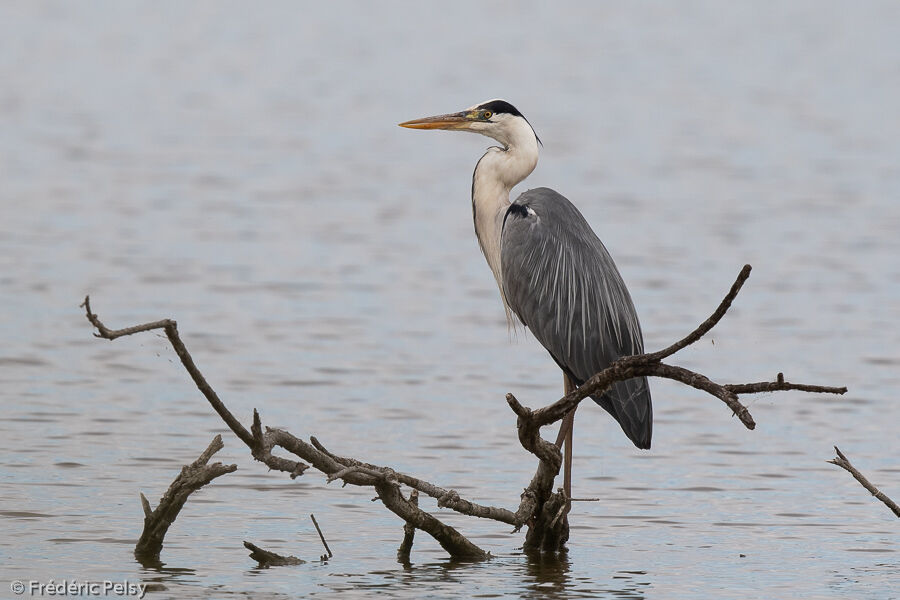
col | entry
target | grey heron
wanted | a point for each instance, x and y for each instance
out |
(554, 273)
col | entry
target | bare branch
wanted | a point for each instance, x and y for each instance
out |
(110, 334)
(636, 366)
(457, 545)
(353, 469)
(538, 499)
(262, 443)
(171, 329)
(540, 508)
(780, 385)
(261, 448)
(385, 481)
(192, 478)
(844, 463)
(446, 498)
(650, 365)
(355, 472)
(709, 323)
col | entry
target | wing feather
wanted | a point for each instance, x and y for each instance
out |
(560, 280)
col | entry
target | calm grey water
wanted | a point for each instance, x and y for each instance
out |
(239, 168)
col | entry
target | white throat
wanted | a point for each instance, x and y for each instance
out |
(498, 171)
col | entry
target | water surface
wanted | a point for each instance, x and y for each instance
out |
(239, 168)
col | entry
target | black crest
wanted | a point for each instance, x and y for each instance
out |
(499, 107)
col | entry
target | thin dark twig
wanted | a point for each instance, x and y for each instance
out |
(709, 323)
(844, 463)
(321, 535)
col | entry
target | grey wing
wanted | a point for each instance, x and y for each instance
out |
(562, 283)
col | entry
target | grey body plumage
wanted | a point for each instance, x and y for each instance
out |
(553, 272)
(560, 280)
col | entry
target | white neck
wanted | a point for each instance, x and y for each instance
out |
(498, 171)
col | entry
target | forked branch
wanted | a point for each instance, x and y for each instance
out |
(261, 443)
(651, 365)
(157, 521)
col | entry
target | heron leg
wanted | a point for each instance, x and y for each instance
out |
(565, 437)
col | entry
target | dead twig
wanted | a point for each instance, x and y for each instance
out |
(709, 323)
(321, 537)
(844, 463)
(171, 329)
(156, 522)
(780, 385)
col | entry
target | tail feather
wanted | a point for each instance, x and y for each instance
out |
(629, 403)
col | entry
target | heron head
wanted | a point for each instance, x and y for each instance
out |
(497, 119)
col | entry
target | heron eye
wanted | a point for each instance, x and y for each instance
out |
(487, 114)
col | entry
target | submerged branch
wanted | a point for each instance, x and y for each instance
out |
(409, 532)
(156, 522)
(268, 559)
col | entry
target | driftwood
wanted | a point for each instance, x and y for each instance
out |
(540, 508)
(268, 559)
(844, 463)
(156, 522)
